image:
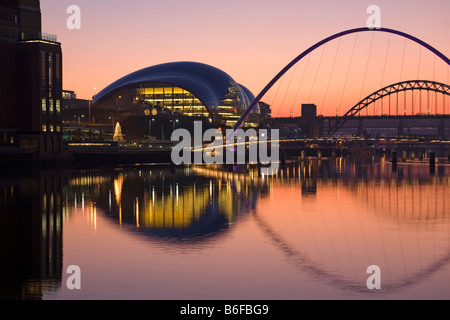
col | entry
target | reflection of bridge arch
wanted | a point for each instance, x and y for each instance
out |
(319, 44)
(307, 264)
(302, 259)
(387, 91)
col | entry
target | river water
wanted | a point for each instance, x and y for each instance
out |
(147, 232)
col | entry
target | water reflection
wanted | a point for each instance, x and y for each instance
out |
(330, 219)
(31, 236)
(368, 214)
(166, 205)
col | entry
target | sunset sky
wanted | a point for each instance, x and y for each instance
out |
(252, 40)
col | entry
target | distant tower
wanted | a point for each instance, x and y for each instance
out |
(308, 122)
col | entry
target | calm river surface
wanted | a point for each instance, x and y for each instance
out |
(145, 232)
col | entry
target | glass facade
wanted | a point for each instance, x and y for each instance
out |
(180, 101)
(184, 89)
(172, 99)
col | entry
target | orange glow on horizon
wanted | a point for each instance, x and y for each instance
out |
(117, 39)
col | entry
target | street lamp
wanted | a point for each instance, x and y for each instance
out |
(117, 108)
(90, 102)
(150, 127)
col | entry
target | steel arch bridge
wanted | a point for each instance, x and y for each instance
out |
(250, 108)
(387, 91)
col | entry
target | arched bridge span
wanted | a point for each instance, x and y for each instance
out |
(387, 91)
(319, 44)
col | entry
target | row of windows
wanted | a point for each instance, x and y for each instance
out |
(54, 107)
(181, 101)
(7, 138)
(50, 73)
(51, 91)
(9, 33)
(173, 99)
(8, 15)
(51, 114)
(51, 128)
(163, 91)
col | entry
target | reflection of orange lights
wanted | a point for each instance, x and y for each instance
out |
(118, 184)
(137, 213)
(94, 216)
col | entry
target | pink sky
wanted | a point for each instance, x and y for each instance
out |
(252, 41)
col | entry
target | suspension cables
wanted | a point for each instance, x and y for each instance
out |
(331, 74)
(348, 73)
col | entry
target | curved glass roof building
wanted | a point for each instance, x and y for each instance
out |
(180, 88)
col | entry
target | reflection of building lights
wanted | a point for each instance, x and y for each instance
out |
(210, 189)
(137, 212)
(118, 184)
(93, 216)
(153, 195)
(110, 200)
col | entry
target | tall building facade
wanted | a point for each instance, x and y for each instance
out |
(308, 121)
(30, 82)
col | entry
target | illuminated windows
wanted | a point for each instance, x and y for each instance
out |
(180, 101)
(183, 89)
(44, 114)
(50, 106)
(172, 99)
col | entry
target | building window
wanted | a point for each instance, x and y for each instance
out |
(44, 71)
(51, 128)
(57, 66)
(50, 111)
(44, 128)
(58, 106)
(44, 111)
(50, 74)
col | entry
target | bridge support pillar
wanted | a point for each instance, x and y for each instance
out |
(394, 161)
(283, 158)
(303, 156)
(432, 162)
(404, 156)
